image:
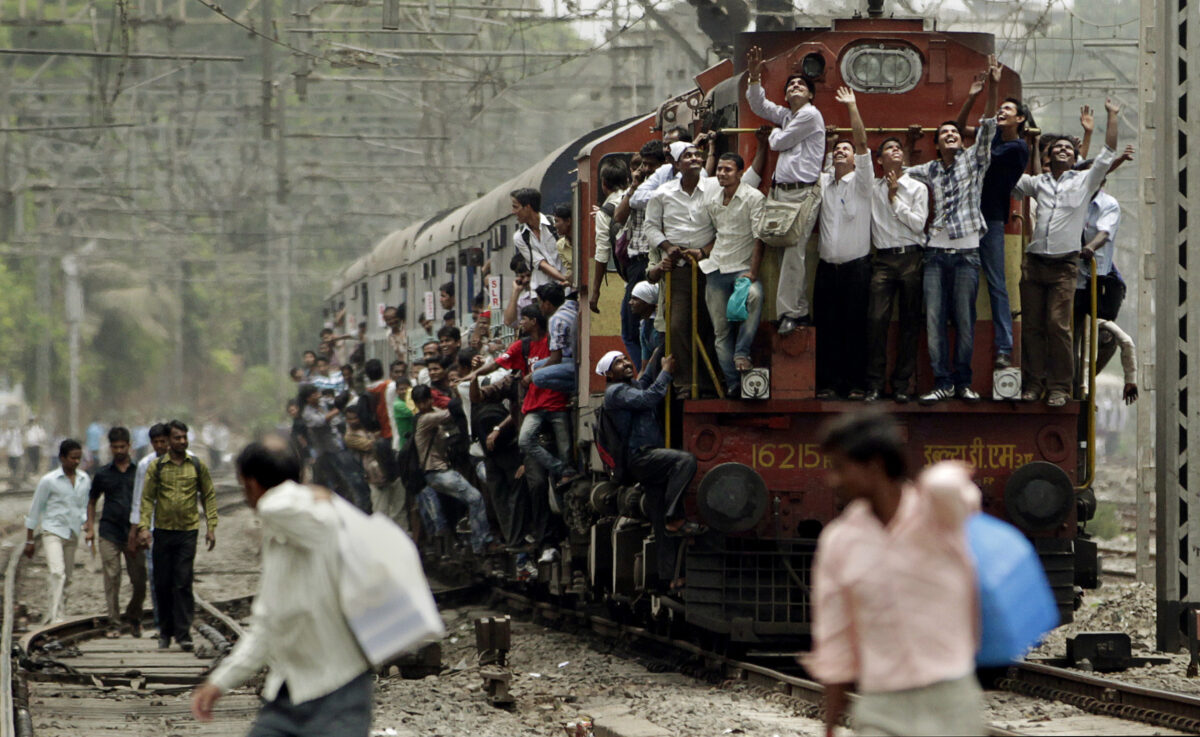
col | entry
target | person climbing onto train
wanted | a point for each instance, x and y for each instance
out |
(557, 371)
(318, 683)
(951, 274)
(800, 141)
(677, 229)
(664, 473)
(735, 253)
(643, 304)
(58, 510)
(895, 612)
(844, 264)
(899, 209)
(171, 515)
(1050, 269)
(1010, 156)
(535, 240)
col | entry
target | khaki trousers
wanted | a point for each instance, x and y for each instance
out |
(60, 560)
(1047, 301)
(791, 298)
(135, 565)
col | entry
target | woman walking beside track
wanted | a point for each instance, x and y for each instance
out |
(896, 609)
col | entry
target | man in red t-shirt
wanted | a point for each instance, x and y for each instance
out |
(541, 405)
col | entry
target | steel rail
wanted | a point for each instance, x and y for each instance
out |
(7, 712)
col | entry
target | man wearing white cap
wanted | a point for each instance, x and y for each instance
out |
(663, 473)
(643, 304)
(678, 228)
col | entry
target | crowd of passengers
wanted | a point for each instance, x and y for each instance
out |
(488, 420)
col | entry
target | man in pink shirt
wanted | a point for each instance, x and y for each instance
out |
(896, 604)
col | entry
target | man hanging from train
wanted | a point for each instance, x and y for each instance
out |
(800, 141)
(535, 240)
(734, 210)
(1010, 155)
(1050, 269)
(678, 228)
(844, 267)
(899, 208)
(951, 275)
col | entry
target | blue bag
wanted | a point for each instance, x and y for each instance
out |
(735, 310)
(1015, 600)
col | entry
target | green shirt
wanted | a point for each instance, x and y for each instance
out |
(171, 493)
(404, 419)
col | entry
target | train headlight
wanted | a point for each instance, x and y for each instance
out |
(732, 498)
(881, 69)
(1038, 497)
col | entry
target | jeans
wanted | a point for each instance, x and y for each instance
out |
(111, 554)
(650, 338)
(629, 322)
(174, 555)
(731, 344)
(840, 316)
(1047, 299)
(560, 377)
(531, 448)
(452, 484)
(60, 561)
(345, 712)
(894, 275)
(991, 257)
(951, 283)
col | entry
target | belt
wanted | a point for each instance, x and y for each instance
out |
(1056, 258)
(953, 251)
(785, 186)
(640, 256)
(900, 250)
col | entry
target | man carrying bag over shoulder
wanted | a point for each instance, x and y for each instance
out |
(320, 680)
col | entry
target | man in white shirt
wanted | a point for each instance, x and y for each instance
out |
(59, 508)
(800, 141)
(1099, 239)
(1050, 270)
(844, 268)
(535, 239)
(899, 208)
(734, 210)
(678, 228)
(319, 682)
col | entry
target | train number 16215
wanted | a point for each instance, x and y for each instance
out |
(787, 455)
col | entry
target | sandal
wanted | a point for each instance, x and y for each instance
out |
(112, 633)
(741, 364)
(688, 529)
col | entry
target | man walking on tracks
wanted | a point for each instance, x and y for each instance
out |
(114, 482)
(173, 484)
(58, 508)
(319, 682)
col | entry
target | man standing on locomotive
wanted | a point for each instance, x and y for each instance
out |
(952, 253)
(844, 267)
(678, 228)
(899, 208)
(800, 142)
(1050, 270)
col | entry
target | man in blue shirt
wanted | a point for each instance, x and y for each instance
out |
(58, 508)
(664, 473)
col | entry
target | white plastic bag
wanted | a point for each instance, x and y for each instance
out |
(384, 593)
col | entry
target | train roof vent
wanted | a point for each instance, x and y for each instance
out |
(881, 68)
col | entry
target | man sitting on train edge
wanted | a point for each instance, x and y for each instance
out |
(557, 372)
(899, 208)
(677, 228)
(734, 210)
(952, 254)
(800, 142)
(1010, 155)
(844, 264)
(1050, 269)
(663, 473)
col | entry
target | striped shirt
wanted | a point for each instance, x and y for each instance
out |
(957, 189)
(561, 326)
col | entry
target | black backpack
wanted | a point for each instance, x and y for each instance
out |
(611, 445)
(410, 466)
(367, 412)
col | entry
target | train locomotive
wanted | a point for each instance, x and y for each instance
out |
(760, 487)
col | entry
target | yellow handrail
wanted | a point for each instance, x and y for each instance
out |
(666, 352)
(1093, 356)
(697, 344)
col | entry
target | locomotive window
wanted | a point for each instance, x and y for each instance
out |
(813, 66)
(884, 69)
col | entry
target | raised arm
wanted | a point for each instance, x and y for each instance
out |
(756, 97)
(845, 95)
(993, 101)
(1087, 119)
(973, 93)
(1113, 126)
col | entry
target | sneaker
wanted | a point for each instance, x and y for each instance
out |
(967, 394)
(871, 396)
(1003, 361)
(164, 643)
(186, 645)
(856, 395)
(1031, 395)
(787, 326)
(827, 394)
(937, 395)
(902, 397)
(1057, 399)
(549, 555)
